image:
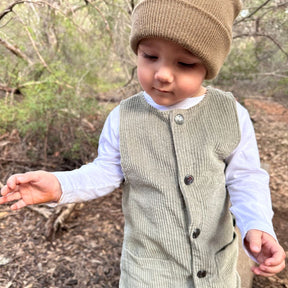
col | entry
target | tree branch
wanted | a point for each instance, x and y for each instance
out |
(36, 50)
(131, 77)
(10, 8)
(263, 35)
(9, 89)
(253, 12)
(16, 51)
(4, 160)
(103, 17)
(273, 74)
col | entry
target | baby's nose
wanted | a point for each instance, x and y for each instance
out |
(164, 74)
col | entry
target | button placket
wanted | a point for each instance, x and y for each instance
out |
(177, 128)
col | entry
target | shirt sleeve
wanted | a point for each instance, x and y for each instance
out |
(247, 183)
(99, 177)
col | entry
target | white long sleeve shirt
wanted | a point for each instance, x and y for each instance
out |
(247, 183)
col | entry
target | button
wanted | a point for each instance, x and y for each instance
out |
(196, 233)
(189, 179)
(179, 119)
(201, 274)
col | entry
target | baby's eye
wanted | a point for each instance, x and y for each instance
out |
(186, 65)
(150, 57)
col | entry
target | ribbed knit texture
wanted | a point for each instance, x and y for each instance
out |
(161, 211)
(202, 27)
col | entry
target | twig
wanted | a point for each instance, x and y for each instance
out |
(45, 212)
(9, 89)
(10, 8)
(262, 35)
(273, 74)
(31, 83)
(104, 19)
(131, 77)
(253, 13)
(26, 162)
(279, 155)
(16, 51)
(5, 24)
(36, 49)
(57, 219)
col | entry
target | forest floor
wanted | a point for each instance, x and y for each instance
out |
(86, 250)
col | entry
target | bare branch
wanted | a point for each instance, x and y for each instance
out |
(9, 89)
(17, 90)
(263, 35)
(5, 24)
(273, 74)
(35, 46)
(26, 162)
(16, 51)
(10, 8)
(131, 77)
(103, 17)
(76, 8)
(36, 50)
(33, 83)
(253, 12)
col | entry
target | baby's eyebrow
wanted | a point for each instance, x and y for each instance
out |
(145, 45)
(147, 49)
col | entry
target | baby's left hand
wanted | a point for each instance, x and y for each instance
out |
(267, 251)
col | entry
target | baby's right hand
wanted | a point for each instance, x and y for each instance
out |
(31, 188)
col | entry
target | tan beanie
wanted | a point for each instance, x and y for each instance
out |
(203, 27)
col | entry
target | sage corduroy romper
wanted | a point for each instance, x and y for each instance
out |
(178, 228)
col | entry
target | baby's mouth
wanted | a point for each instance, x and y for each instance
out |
(162, 91)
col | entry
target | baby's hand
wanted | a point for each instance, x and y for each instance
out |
(31, 188)
(267, 251)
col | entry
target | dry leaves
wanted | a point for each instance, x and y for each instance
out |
(271, 126)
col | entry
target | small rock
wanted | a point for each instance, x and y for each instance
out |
(4, 260)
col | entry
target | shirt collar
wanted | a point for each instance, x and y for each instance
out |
(185, 104)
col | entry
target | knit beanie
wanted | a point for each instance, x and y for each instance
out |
(203, 27)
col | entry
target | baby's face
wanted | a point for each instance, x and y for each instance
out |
(168, 72)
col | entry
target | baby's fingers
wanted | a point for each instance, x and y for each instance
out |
(277, 258)
(258, 271)
(10, 197)
(4, 190)
(268, 271)
(15, 181)
(18, 205)
(7, 190)
(11, 185)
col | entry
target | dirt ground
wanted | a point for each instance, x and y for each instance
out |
(85, 251)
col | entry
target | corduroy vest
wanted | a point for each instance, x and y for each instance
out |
(178, 228)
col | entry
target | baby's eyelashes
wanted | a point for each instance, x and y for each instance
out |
(150, 57)
(188, 65)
